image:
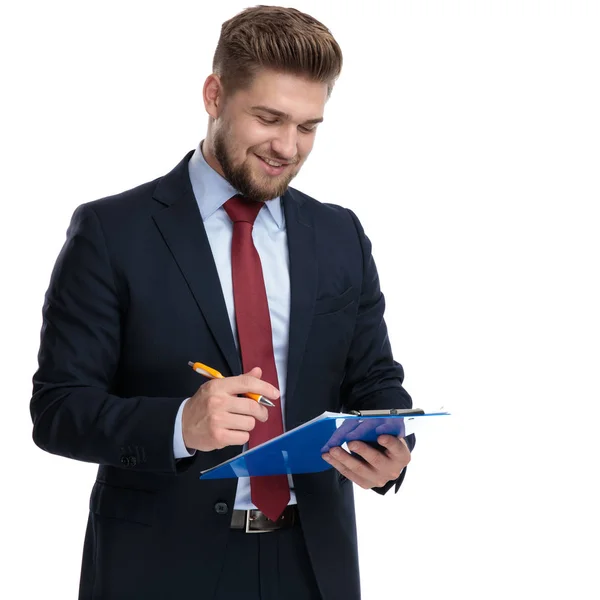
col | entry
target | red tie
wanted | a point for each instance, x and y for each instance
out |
(270, 493)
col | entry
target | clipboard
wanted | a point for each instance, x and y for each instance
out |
(299, 450)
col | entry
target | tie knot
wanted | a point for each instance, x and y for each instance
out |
(242, 209)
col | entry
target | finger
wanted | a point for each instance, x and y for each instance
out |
(231, 437)
(340, 435)
(341, 467)
(396, 447)
(243, 384)
(376, 458)
(365, 429)
(352, 429)
(351, 464)
(235, 422)
(246, 406)
(228, 429)
(373, 469)
(392, 427)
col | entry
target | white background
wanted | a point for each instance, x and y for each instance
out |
(466, 136)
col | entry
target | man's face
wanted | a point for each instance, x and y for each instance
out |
(263, 134)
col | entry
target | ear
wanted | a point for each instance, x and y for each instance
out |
(212, 94)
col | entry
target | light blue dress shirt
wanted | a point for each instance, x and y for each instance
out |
(270, 239)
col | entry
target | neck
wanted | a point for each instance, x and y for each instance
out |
(209, 156)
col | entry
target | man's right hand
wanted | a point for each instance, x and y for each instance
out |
(215, 417)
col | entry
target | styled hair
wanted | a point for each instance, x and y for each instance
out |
(281, 39)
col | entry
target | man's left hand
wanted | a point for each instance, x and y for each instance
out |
(378, 467)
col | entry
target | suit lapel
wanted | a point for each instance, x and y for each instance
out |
(181, 226)
(303, 286)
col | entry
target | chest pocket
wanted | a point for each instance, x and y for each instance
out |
(332, 304)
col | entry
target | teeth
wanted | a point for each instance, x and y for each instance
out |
(272, 163)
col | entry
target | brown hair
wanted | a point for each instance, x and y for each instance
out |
(277, 38)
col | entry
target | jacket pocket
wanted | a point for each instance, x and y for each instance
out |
(127, 504)
(331, 304)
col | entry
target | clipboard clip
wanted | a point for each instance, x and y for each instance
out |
(395, 412)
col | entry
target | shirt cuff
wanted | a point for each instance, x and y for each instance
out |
(179, 448)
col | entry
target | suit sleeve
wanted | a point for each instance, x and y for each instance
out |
(73, 412)
(373, 379)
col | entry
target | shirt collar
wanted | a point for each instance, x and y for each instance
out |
(212, 190)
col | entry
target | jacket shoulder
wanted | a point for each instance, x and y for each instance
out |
(327, 213)
(319, 208)
(124, 203)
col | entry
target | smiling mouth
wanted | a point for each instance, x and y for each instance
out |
(273, 163)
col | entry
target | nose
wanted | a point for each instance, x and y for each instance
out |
(285, 142)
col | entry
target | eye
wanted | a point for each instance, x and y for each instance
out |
(267, 121)
(307, 129)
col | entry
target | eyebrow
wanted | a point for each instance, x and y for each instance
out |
(278, 113)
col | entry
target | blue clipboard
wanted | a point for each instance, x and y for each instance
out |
(299, 450)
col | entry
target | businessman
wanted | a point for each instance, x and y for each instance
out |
(221, 262)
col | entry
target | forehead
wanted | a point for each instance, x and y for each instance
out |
(293, 95)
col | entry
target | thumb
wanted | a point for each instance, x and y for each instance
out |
(255, 372)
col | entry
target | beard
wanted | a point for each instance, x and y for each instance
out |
(254, 187)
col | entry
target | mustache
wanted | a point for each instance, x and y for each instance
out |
(280, 160)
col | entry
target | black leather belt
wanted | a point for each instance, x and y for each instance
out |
(254, 521)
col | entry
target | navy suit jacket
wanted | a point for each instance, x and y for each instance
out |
(133, 297)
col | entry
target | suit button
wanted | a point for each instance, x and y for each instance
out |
(221, 508)
(128, 461)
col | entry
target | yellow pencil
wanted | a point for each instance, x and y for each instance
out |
(214, 374)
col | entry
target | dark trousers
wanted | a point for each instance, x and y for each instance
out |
(267, 566)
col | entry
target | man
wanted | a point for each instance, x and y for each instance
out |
(221, 262)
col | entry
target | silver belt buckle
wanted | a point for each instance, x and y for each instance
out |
(248, 530)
